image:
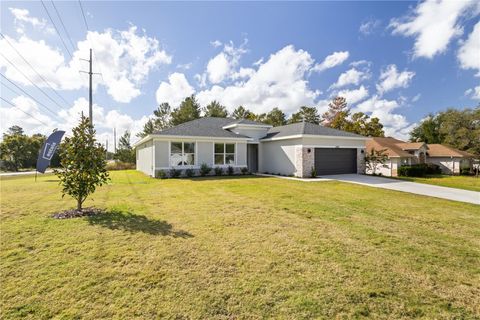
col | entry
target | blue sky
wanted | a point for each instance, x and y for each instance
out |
(395, 60)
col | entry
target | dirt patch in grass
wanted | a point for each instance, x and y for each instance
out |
(74, 213)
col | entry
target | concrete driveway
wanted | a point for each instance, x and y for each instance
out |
(412, 187)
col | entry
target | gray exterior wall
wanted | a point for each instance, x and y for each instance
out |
(205, 153)
(145, 157)
(161, 154)
(241, 154)
(278, 156)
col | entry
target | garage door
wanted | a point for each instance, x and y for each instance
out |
(335, 161)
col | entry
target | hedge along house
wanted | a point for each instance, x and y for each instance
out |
(293, 149)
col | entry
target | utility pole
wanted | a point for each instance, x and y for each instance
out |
(106, 149)
(114, 140)
(90, 95)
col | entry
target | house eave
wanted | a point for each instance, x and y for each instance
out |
(296, 136)
(162, 137)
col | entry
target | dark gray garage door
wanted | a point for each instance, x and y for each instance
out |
(335, 161)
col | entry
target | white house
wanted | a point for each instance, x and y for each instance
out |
(294, 149)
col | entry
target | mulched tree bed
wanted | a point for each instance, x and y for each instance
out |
(74, 213)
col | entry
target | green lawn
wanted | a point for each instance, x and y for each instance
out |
(237, 248)
(460, 182)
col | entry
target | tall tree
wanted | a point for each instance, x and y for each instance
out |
(125, 152)
(307, 114)
(336, 114)
(362, 124)
(14, 148)
(188, 110)
(160, 120)
(276, 117)
(215, 109)
(456, 128)
(241, 113)
(427, 131)
(83, 163)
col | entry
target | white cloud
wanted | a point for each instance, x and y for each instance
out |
(473, 93)
(353, 96)
(185, 66)
(333, 60)
(124, 58)
(391, 79)
(216, 43)
(352, 76)
(394, 124)
(175, 90)
(434, 23)
(469, 52)
(369, 26)
(417, 97)
(278, 82)
(22, 17)
(222, 66)
(218, 68)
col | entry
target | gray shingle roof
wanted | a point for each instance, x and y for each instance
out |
(307, 128)
(204, 127)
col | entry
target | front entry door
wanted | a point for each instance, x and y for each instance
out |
(252, 157)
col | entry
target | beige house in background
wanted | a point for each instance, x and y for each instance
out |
(401, 153)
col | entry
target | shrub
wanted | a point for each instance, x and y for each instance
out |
(416, 170)
(431, 168)
(174, 173)
(160, 174)
(218, 171)
(204, 169)
(313, 172)
(119, 165)
(189, 172)
(230, 170)
(244, 170)
(465, 172)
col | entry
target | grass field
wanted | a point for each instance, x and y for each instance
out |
(459, 182)
(237, 248)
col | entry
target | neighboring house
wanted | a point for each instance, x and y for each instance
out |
(449, 159)
(401, 153)
(292, 149)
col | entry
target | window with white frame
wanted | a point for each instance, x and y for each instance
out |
(182, 154)
(224, 154)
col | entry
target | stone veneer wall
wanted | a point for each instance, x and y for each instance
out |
(304, 161)
(361, 168)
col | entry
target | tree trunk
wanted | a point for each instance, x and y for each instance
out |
(79, 204)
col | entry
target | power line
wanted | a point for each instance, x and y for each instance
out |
(38, 74)
(20, 71)
(27, 94)
(28, 114)
(83, 14)
(63, 25)
(56, 29)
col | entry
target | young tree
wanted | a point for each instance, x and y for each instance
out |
(275, 117)
(307, 114)
(125, 152)
(160, 120)
(242, 113)
(376, 158)
(215, 109)
(336, 109)
(188, 110)
(83, 163)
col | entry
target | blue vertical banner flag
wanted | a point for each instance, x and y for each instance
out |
(48, 150)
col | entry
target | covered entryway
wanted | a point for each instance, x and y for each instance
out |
(335, 161)
(252, 157)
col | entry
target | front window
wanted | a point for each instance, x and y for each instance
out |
(182, 154)
(224, 154)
